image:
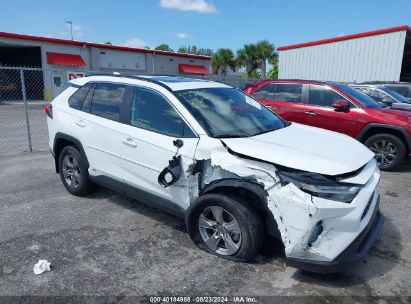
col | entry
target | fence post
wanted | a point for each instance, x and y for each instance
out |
(26, 110)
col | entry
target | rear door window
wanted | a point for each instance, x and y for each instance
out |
(288, 92)
(323, 96)
(107, 100)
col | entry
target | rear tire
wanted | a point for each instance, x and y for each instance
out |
(226, 226)
(74, 171)
(390, 151)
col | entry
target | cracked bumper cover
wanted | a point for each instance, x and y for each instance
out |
(355, 251)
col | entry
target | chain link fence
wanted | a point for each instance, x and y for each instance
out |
(22, 121)
(25, 91)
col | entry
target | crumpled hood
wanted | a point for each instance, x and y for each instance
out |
(305, 148)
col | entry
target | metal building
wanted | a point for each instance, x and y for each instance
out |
(382, 55)
(53, 62)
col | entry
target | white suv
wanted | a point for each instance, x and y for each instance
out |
(235, 171)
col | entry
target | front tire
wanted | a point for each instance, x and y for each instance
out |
(74, 171)
(390, 151)
(226, 226)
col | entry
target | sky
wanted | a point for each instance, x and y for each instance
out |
(205, 23)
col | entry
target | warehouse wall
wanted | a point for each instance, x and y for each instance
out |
(55, 77)
(107, 60)
(168, 64)
(356, 60)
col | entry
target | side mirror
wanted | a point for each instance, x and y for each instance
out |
(171, 173)
(178, 143)
(341, 105)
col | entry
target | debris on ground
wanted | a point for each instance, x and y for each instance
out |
(41, 266)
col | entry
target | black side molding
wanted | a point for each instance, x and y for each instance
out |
(140, 195)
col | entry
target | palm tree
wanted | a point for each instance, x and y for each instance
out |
(265, 51)
(222, 60)
(248, 58)
(273, 73)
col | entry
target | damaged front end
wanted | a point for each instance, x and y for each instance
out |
(318, 217)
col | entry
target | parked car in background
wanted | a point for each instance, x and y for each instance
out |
(337, 107)
(383, 95)
(250, 87)
(403, 88)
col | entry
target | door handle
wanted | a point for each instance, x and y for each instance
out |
(311, 113)
(129, 142)
(80, 123)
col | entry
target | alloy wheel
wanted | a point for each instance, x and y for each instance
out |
(385, 152)
(220, 230)
(71, 171)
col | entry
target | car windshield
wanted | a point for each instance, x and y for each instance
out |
(362, 98)
(228, 112)
(396, 95)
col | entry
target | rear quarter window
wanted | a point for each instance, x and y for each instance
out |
(77, 99)
(262, 92)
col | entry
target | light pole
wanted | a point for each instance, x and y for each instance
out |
(71, 28)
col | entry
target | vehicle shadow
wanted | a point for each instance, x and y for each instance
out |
(383, 255)
(406, 167)
(271, 250)
(139, 207)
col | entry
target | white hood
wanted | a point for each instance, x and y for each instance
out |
(305, 148)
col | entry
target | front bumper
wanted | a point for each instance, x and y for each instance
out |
(355, 251)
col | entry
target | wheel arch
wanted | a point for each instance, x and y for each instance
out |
(62, 140)
(374, 129)
(252, 193)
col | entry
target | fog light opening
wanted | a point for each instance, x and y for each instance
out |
(318, 229)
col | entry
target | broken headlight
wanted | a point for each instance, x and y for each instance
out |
(320, 186)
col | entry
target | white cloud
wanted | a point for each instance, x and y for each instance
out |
(76, 27)
(135, 43)
(200, 6)
(182, 35)
(78, 30)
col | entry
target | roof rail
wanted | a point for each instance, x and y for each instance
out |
(117, 74)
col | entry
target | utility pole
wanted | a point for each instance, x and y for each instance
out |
(71, 28)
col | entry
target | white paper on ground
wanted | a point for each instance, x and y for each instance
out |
(41, 266)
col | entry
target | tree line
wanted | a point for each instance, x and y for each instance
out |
(191, 49)
(252, 58)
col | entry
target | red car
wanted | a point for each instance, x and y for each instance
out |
(337, 107)
(251, 87)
